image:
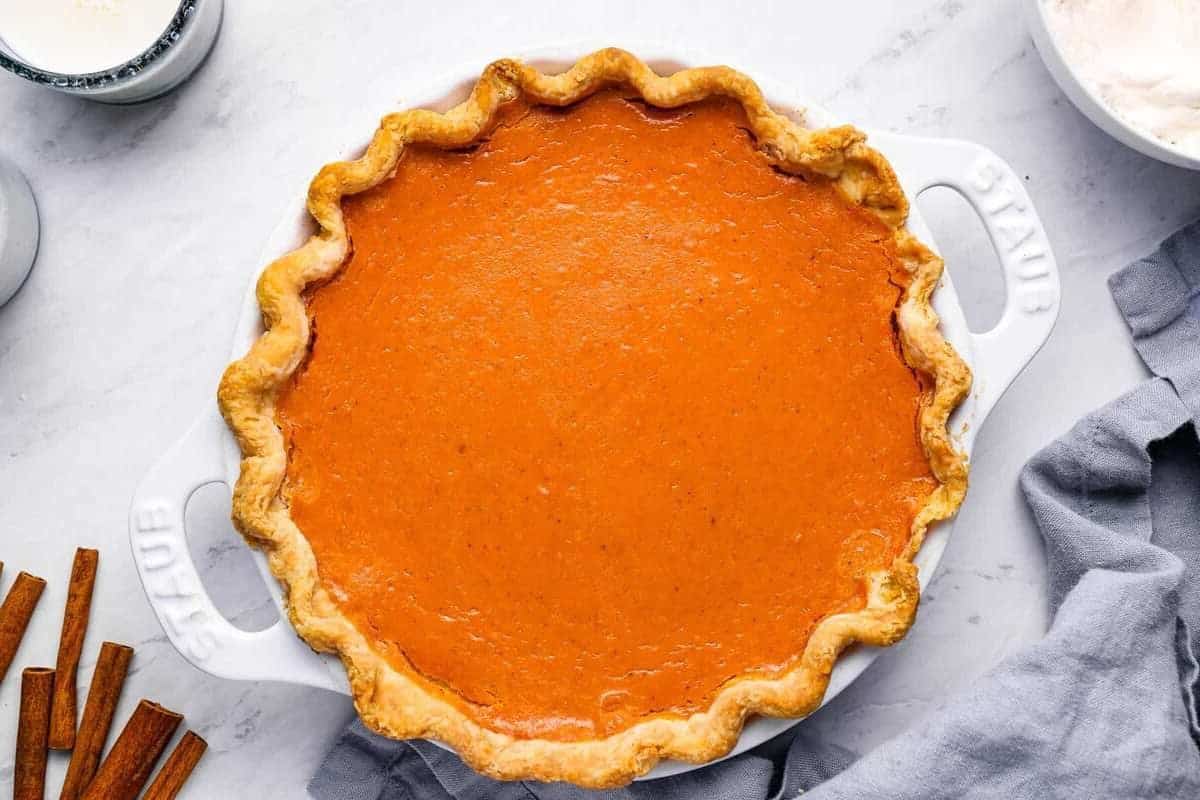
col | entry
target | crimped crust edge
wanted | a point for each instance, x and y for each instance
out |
(400, 705)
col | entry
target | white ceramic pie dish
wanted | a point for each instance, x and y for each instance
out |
(207, 453)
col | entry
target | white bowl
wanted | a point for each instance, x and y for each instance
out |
(1090, 103)
(18, 229)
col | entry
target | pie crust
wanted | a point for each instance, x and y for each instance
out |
(391, 701)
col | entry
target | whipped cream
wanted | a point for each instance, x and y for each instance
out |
(1141, 57)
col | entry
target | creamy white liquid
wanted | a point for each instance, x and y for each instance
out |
(75, 36)
(1142, 57)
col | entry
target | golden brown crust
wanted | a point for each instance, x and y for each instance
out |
(401, 705)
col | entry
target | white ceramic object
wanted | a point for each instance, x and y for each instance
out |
(1089, 103)
(207, 453)
(166, 62)
(18, 229)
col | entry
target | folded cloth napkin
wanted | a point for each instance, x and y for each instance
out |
(1104, 706)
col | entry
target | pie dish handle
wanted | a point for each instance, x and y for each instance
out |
(1031, 280)
(191, 621)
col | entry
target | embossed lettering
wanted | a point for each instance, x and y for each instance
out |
(1023, 252)
(175, 584)
(154, 516)
(203, 645)
(1035, 299)
(156, 552)
(178, 598)
(1005, 202)
(985, 176)
(1031, 269)
(1014, 236)
(190, 629)
(158, 556)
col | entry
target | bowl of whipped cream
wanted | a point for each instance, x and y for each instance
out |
(1131, 66)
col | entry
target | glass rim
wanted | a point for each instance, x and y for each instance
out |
(125, 72)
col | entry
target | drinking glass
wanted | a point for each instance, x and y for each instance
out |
(162, 66)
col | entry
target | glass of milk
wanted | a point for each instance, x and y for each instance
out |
(114, 51)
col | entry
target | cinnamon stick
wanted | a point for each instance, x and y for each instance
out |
(70, 644)
(178, 767)
(124, 772)
(18, 607)
(33, 726)
(107, 680)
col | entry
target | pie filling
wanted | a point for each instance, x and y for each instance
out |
(602, 414)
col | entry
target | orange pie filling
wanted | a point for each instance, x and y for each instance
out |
(603, 414)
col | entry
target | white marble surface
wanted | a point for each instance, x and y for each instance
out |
(153, 216)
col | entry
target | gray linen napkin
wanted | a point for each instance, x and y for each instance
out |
(1104, 706)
